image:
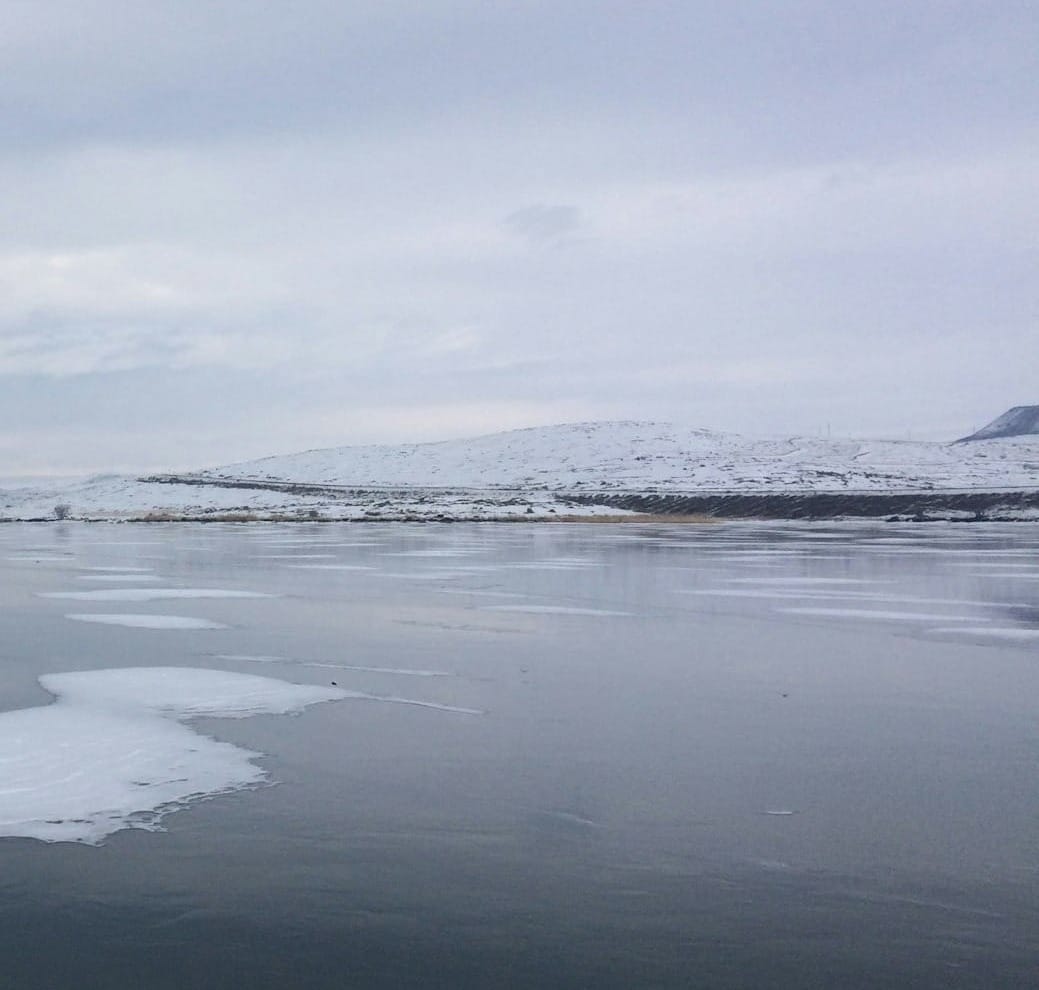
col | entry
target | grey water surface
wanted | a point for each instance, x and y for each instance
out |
(720, 756)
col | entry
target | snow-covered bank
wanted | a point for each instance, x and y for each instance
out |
(534, 473)
(129, 498)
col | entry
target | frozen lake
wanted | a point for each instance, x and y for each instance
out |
(519, 756)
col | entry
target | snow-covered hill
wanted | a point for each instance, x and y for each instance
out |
(636, 456)
(530, 471)
(1017, 422)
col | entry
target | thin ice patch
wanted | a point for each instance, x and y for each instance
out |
(121, 570)
(295, 556)
(330, 567)
(1008, 633)
(553, 610)
(136, 620)
(40, 559)
(446, 552)
(868, 613)
(150, 594)
(800, 580)
(405, 671)
(393, 700)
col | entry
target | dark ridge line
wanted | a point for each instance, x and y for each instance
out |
(919, 506)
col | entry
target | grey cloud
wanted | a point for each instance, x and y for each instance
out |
(542, 223)
(312, 224)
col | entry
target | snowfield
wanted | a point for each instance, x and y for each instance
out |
(529, 472)
(635, 456)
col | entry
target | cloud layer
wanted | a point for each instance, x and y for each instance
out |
(234, 230)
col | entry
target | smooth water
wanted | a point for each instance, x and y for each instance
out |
(597, 756)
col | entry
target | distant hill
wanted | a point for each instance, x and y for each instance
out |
(1021, 421)
(649, 456)
(584, 469)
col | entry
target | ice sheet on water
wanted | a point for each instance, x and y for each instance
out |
(123, 570)
(330, 567)
(436, 706)
(771, 592)
(131, 543)
(136, 620)
(110, 753)
(144, 578)
(854, 596)
(1002, 565)
(869, 613)
(184, 692)
(553, 565)
(1015, 634)
(317, 544)
(295, 556)
(40, 559)
(444, 552)
(801, 580)
(252, 658)
(553, 609)
(480, 592)
(150, 594)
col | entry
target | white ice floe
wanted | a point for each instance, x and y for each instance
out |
(869, 613)
(480, 592)
(446, 552)
(330, 567)
(110, 753)
(552, 610)
(118, 577)
(120, 570)
(315, 544)
(137, 621)
(40, 559)
(800, 580)
(553, 565)
(854, 596)
(149, 594)
(1009, 633)
(295, 556)
(1002, 565)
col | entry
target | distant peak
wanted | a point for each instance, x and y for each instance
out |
(1017, 422)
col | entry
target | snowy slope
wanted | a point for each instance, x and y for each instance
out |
(125, 497)
(525, 472)
(1016, 422)
(635, 456)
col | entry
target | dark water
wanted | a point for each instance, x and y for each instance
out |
(702, 791)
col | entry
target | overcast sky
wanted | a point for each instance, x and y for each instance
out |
(237, 228)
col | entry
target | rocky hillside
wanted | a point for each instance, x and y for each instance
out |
(1021, 421)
